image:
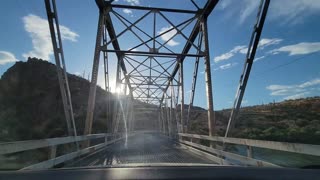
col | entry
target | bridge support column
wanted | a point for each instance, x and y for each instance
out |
(171, 114)
(181, 97)
(168, 118)
(161, 119)
(174, 110)
(53, 152)
(249, 151)
(194, 81)
(94, 77)
(211, 119)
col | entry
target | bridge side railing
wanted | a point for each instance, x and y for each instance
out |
(306, 149)
(52, 143)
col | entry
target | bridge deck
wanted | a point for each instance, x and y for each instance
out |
(146, 148)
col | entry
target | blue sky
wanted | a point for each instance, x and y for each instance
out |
(286, 66)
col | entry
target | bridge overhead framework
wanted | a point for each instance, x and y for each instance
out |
(150, 63)
(151, 70)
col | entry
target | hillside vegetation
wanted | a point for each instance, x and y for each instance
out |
(290, 121)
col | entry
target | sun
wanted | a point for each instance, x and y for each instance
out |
(118, 90)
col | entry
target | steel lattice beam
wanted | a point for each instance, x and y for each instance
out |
(195, 32)
(137, 76)
(143, 71)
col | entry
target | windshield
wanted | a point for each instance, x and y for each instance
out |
(127, 83)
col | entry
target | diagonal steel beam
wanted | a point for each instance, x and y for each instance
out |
(60, 65)
(112, 34)
(253, 45)
(204, 13)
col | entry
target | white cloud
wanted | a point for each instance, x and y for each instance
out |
(77, 73)
(267, 42)
(127, 11)
(38, 30)
(223, 57)
(293, 11)
(313, 82)
(133, 2)
(165, 37)
(237, 49)
(282, 90)
(67, 34)
(242, 49)
(224, 4)
(259, 58)
(295, 90)
(289, 11)
(298, 49)
(226, 66)
(242, 10)
(296, 96)
(244, 101)
(7, 57)
(134, 49)
(250, 7)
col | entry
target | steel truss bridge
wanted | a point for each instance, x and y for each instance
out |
(150, 85)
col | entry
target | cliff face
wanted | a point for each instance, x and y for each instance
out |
(31, 104)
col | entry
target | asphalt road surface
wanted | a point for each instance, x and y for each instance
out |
(142, 148)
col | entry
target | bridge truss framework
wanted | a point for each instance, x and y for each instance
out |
(151, 70)
(156, 69)
(166, 98)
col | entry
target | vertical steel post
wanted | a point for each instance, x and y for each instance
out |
(168, 117)
(165, 130)
(53, 152)
(106, 79)
(159, 118)
(94, 76)
(194, 79)
(171, 113)
(116, 103)
(182, 97)
(249, 151)
(211, 118)
(175, 109)
(193, 88)
(165, 116)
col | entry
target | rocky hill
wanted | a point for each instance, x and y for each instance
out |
(31, 104)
